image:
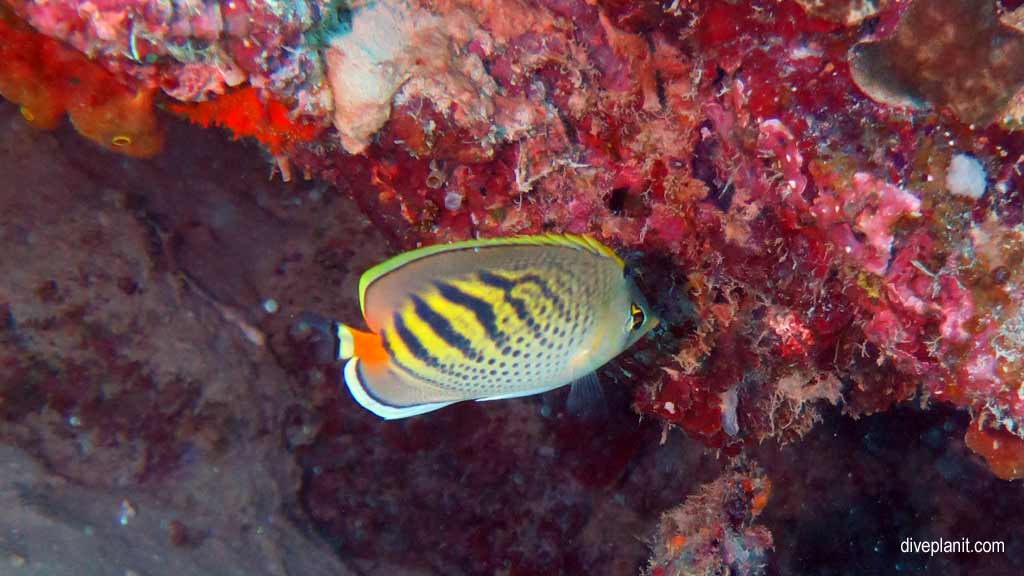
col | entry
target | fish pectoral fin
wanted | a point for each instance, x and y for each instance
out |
(383, 392)
(586, 398)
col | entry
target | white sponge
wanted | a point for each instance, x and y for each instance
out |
(965, 176)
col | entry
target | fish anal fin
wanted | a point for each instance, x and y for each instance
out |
(520, 393)
(378, 389)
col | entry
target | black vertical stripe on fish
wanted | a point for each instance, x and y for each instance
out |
(385, 338)
(385, 341)
(480, 308)
(413, 343)
(444, 330)
(506, 285)
(520, 307)
(495, 281)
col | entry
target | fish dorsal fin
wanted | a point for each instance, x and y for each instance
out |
(576, 241)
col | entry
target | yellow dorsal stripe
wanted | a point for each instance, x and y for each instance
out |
(579, 242)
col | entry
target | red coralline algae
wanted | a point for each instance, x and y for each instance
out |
(848, 12)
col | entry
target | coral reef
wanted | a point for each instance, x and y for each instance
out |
(823, 200)
(245, 114)
(971, 67)
(196, 48)
(48, 79)
(847, 12)
(712, 532)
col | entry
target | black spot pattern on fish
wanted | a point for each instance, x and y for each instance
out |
(545, 316)
(549, 294)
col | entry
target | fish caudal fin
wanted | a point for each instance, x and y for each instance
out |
(346, 341)
(374, 383)
(380, 390)
(354, 343)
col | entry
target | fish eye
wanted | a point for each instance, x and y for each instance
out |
(637, 313)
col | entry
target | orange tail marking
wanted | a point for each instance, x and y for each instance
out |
(368, 347)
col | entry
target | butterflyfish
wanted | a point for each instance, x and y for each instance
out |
(489, 319)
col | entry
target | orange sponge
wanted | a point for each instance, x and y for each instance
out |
(1003, 451)
(246, 115)
(47, 79)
